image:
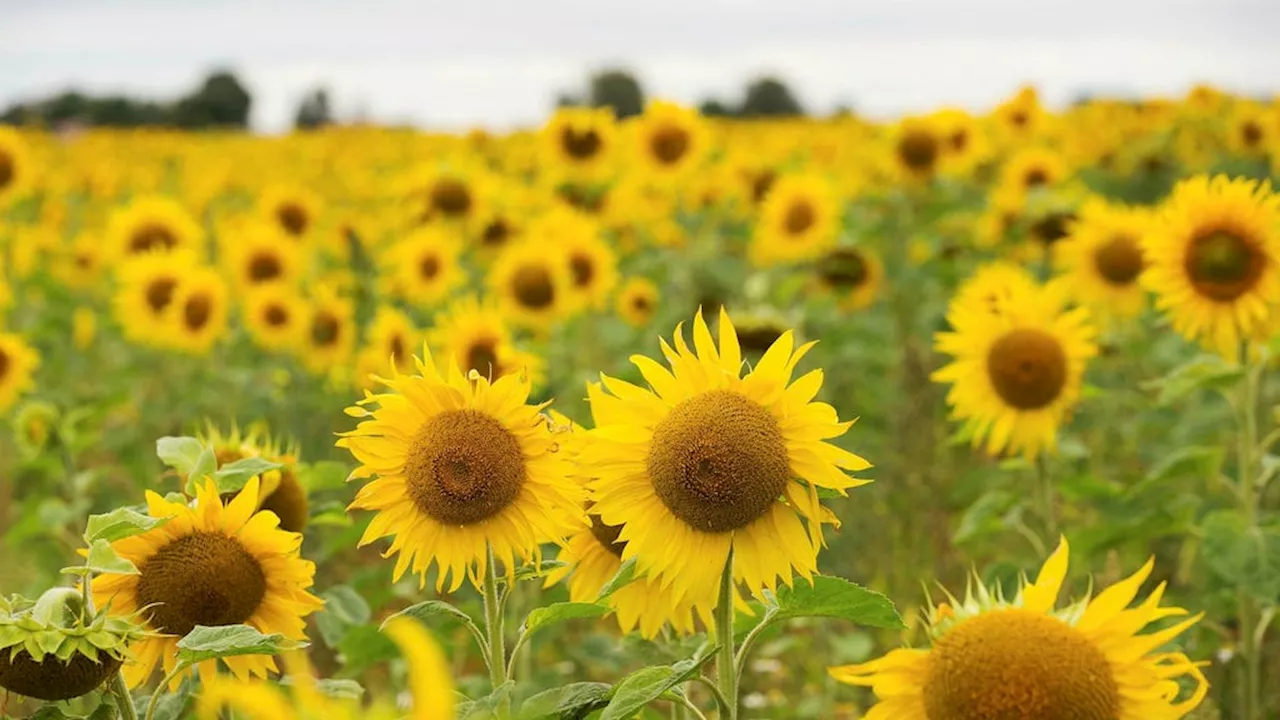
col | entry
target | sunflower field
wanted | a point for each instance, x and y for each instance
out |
(950, 416)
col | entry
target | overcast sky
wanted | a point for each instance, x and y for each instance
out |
(474, 62)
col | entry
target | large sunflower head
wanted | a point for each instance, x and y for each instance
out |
(197, 317)
(154, 224)
(18, 362)
(798, 221)
(533, 284)
(670, 140)
(210, 564)
(992, 659)
(1212, 256)
(275, 316)
(1017, 366)
(462, 469)
(1102, 258)
(854, 274)
(579, 141)
(423, 266)
(292, 211)
(707, 459)
(474, 335)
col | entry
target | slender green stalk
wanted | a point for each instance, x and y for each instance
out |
(497, 656)
(1251, 635)
(162, 688)
(726, 666)
(124, 702)
(749, 641)
(1048, 501)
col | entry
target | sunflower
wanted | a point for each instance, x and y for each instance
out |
(991, 659)
(423, 266)
(455, 196)
(153, 224)
(579, 142)
(963, 143)
(593, 266)
(916, 148)
(209, 565)
(464, 470)
(798, 221)
(391, 335)
(330, 332)
(18, 361)
(292, 211)
(1021, 117)
(1102, 259)
(474, 335)
(257, 254)
(1212, 259)
(992, 286)
(637, 301)
(710, 462)
(15, 166)
(280, 491)
(275, 316)
(197, 317)
(670, 140)
(1016, 373)
(145, 288)
(854, 273)
(533, 284)
(1251, 129)
(81, 262)
(1032, 168)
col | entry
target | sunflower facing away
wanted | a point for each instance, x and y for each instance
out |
(1212, 261)
(798, 221)
(210, 565)
(474, 334)
(707, 460)
(1102, 260)
(1016, 371)
(991, 659)
(462, 470)
(18, 361)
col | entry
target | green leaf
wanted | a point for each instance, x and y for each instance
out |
(648, 684)
(51, 712)
(1207, 372)
(486, 708)
(233, 476)
(835, 597)
(323, 475)
(526, 572)
(1243, 556)
(983, 516)
(173, 706)
(542, 617)
(431, 609)
(364, 647)
(103, 559)
(119, 524)
(105, 711)
(205, 643)
(344, 608)
(1202, 461)
(571, 702)
(187, 455)
(625, 576)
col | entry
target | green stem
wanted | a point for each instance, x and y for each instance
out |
(697, 714)
(163, 687)
(124, 702)
(749, 641)
(726, 666)
(1048, 500)
(497, 655)
(1251, 635)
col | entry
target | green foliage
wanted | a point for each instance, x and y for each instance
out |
(769, 97)
(648, 684)
(617, 89)
(206, 643)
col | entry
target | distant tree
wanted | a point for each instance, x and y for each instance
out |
(770, 97)
(313, 111)
(67, 106)
(221, 101)
(617, 89)
(568, 99)
(714, 107)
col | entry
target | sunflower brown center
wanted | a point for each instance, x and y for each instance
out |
(758, 338)
(463, 467)
(1028, 368)
(276, 315)
(451, 198)
(1052, 227)
(799, 218)
(718, 461)
(429, 267)
(1035, 177)
(958, 140)
(918, 150)
(293, 219)
(580, 145)
(6, 170)
(583, 270)
(669, 144)
(204, 578)
(534, 288)
(1119, 261)
(1250, 133)
(396, 346)
(607, 535)
(4, 364)
(1223, 266)
(761, 184)
(325, 330)
(1019, 118)
(264, 267)
(151, 237)
(495, 233)
(1015, 665)
(483, 358)
(844, 269)
(160, 293)
(197, 311)
(641, 303)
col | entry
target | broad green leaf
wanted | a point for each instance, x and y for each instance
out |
(571, 702)
(344, 608)
(648, 684)
(1207, 372)
(431, 609)
(1196, 460)
(118, 524)
(983, 515)
(625, 576)
(364, 647)
(103, 559)
(205, 643)
(233, 476)
(1243, 556)
(185, 454)
(486, 708)
(532, 571)
(323, 475)
(542, 617)
(835, 597)
(51, 712)
(106, 710)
